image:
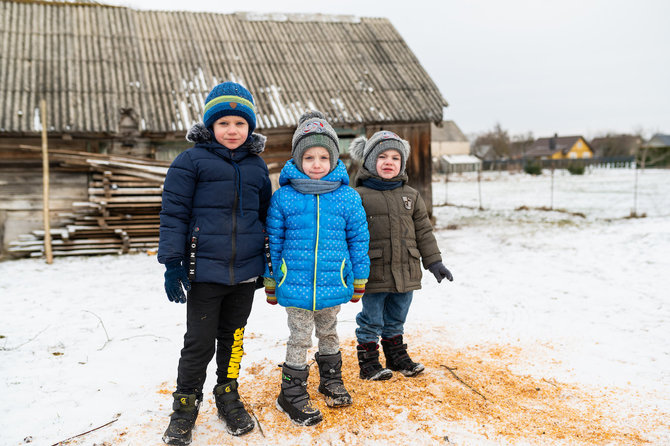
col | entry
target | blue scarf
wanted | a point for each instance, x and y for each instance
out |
(377, 184)
(314, 187)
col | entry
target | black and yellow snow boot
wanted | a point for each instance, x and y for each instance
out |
(231, 409)
(185, 411)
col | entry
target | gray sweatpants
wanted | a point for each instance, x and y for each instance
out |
(301, 323)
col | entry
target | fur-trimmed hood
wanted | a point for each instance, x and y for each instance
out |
(199, 134)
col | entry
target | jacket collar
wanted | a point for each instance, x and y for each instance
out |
(364, 174)
(201, 136)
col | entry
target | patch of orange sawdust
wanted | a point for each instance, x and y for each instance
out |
(475, 388)
(163, 389)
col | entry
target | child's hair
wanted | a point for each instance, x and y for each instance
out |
(313, 130)
(229, 98)
(366, 151)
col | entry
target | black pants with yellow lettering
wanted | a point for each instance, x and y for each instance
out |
(215, 316)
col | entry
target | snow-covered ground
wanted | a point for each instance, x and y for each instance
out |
(578, 308)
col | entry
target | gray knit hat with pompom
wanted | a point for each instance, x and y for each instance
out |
(313, 130)
(367, 150)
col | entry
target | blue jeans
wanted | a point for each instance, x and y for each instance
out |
(383, 314)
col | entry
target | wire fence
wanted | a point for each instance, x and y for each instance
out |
(602, 191)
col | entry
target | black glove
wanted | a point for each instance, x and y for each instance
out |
(175, 278)
(440, 272)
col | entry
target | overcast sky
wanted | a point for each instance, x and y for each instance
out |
(564, 66)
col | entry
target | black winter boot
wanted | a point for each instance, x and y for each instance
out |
(294, 400)
(368, 361)
(397, 358)
(331, 385)
(182, 420)
(231, 409)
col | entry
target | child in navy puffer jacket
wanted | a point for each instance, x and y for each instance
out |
(215, 201)
(319, 239)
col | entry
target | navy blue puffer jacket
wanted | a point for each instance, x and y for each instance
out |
(219, 198)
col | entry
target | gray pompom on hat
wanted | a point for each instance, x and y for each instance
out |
(367, 150)
(314, 131)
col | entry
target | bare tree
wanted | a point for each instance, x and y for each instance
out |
(497, 139)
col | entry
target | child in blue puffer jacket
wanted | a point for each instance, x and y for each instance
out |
(319, 238)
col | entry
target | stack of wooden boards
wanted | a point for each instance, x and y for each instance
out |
(121, 214)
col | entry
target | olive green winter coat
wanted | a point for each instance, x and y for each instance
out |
(400, 235)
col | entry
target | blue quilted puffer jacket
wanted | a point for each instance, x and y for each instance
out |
(318, 243)
(220, 197)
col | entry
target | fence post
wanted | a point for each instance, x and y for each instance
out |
(479, 187)
(446, 184)
(551, 205)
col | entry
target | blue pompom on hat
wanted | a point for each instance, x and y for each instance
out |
(229, 98)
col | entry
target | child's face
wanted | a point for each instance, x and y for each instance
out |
(388, 164)
(231, 131)
(316, 162)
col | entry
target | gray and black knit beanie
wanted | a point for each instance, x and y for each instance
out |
(229, 98)
(313, 130)
(367, 150)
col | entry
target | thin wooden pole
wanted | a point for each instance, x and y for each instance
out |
(551, 204)
(479, 186)
(45, 182)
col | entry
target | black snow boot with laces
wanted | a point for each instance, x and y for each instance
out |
(368, 361)
(231, 410)
(182, 420)
(331, 384)
(397, 358)
(294, 400)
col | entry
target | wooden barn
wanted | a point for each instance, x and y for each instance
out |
(123, 82)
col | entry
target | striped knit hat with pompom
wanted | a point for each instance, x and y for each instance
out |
(366, 151)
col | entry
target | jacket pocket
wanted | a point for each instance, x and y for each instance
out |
(345, 272)
(376, 264)
(284, 271)
(414, 260)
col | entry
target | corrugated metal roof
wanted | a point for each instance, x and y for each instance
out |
(90, 61)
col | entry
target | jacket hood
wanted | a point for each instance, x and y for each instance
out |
(364, 174)
(290, 171)
(199, 134)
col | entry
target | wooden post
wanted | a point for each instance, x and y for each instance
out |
(479, 187)
(551, 204)
(45, 182)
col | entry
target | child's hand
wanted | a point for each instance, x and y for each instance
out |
(440, 272)
(176, 278)
(359, 290)
(270, 285)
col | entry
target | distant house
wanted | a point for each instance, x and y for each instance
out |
(658, 140)
(451, 149)
(128, 82)
(560, 147)
(615, 145)
(484, 152)
(448, 139)
(656, 151)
